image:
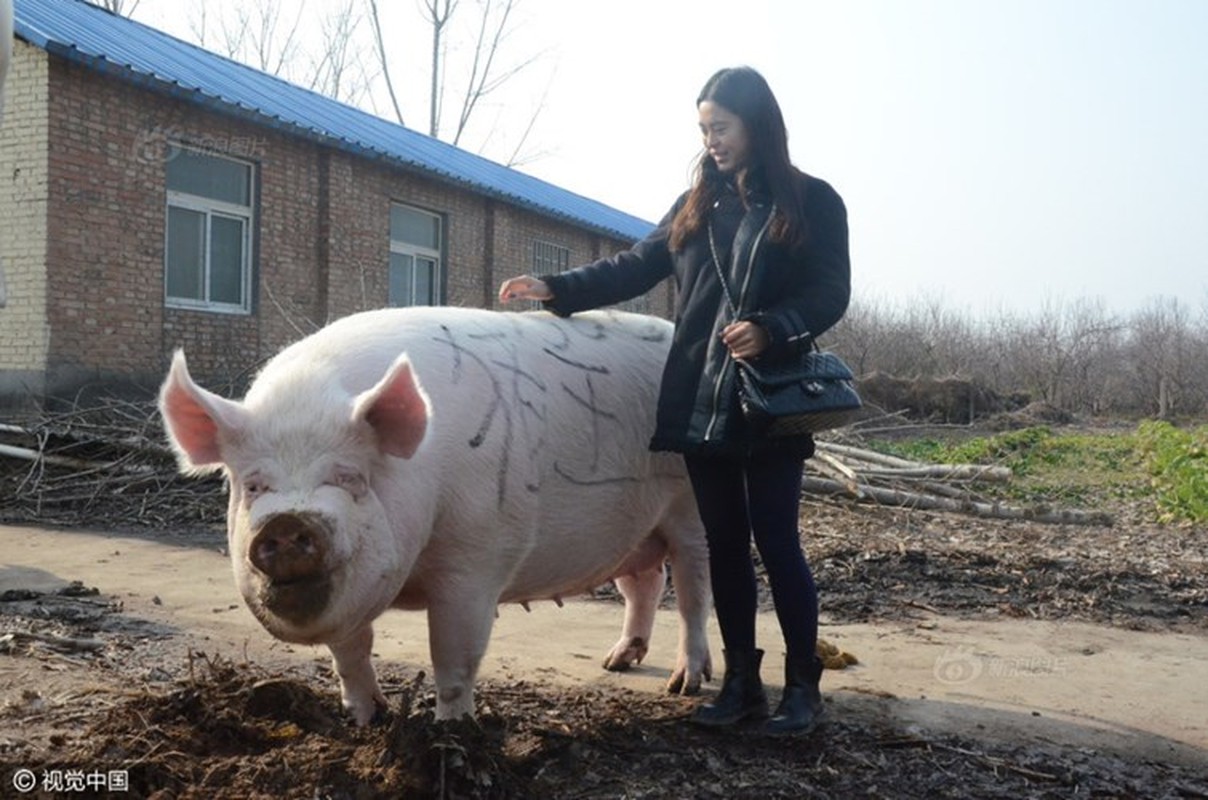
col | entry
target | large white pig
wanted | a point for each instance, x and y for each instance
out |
(450, 460)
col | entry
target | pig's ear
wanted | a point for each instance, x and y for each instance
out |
(397, 409)
(194, 418)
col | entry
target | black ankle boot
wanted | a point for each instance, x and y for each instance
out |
(801, 704)
(741, 696)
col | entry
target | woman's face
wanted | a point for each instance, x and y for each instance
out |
(725, 137)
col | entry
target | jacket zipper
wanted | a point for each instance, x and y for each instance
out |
(742, 295)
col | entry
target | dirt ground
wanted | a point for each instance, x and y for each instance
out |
(995, 659)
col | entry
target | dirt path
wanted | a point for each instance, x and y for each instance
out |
(1140, 694)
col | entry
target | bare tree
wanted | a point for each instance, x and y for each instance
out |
(438, 13)
(253, 36)
(1162, 352)
(269, 48)
(269, 36)
(1054, 351)
(866, 337)
(380, 41)
(519, 155)
(923, 339)
(1076, 356)
(469, 60)
(485, 75)
(123, 8)
(339, 71)
(485, 72)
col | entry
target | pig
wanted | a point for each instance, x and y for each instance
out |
(450, 459)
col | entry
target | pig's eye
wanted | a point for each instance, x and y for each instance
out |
(350, 480)
(254, 488)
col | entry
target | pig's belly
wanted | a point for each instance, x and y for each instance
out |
(553, 573)
(569, 573)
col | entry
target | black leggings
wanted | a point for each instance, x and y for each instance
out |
(760, 496)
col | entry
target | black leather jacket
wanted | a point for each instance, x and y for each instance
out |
(794, 295)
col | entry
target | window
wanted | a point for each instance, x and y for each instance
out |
(209, 232)
(415, 247)
(549, 259)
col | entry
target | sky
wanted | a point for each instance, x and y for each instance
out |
(994, 155)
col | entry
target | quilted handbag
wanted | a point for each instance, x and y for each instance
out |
(813, 394)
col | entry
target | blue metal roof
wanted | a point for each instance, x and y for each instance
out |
(114, 45)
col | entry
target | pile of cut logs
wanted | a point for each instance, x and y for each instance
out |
(839, 470)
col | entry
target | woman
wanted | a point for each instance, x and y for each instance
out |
(778, 239)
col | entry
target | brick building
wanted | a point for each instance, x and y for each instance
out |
(154, 195)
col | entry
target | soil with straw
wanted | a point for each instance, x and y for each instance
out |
(235, 730)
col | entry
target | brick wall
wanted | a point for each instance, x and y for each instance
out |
(105, 224)
(24, 332)
(321, 240)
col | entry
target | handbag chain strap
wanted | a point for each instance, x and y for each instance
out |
(725, 285)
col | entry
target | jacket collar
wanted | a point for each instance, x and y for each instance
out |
(744, 272)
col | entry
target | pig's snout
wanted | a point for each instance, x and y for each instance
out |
(290, 548)
(290, 551)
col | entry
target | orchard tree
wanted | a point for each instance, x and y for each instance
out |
(485, 65)
(345, 51)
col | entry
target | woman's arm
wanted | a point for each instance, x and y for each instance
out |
(627, 274)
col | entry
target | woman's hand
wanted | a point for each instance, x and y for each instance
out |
(524, 287)
(745, 340)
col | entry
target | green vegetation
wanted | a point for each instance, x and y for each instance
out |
(1177, 463)
(1157, 462)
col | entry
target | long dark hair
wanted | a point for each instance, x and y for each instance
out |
(743, 92)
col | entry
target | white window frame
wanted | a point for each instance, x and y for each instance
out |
(418, 252)
(209, 208)
(549, 258)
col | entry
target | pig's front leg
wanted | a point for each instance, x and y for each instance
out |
(359, 689)
(690, 574)
(642, 592)
(459, 628)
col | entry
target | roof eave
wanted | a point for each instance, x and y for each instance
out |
(221, 105)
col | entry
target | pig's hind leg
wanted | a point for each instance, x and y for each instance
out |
(642, 591)
(359, 689)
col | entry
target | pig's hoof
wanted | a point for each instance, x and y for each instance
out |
(381, 715)
(681, 683)
(626, 653)
(373, 712)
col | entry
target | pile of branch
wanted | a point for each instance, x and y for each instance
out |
(110, 466)
(103, 466)
(871, 477)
